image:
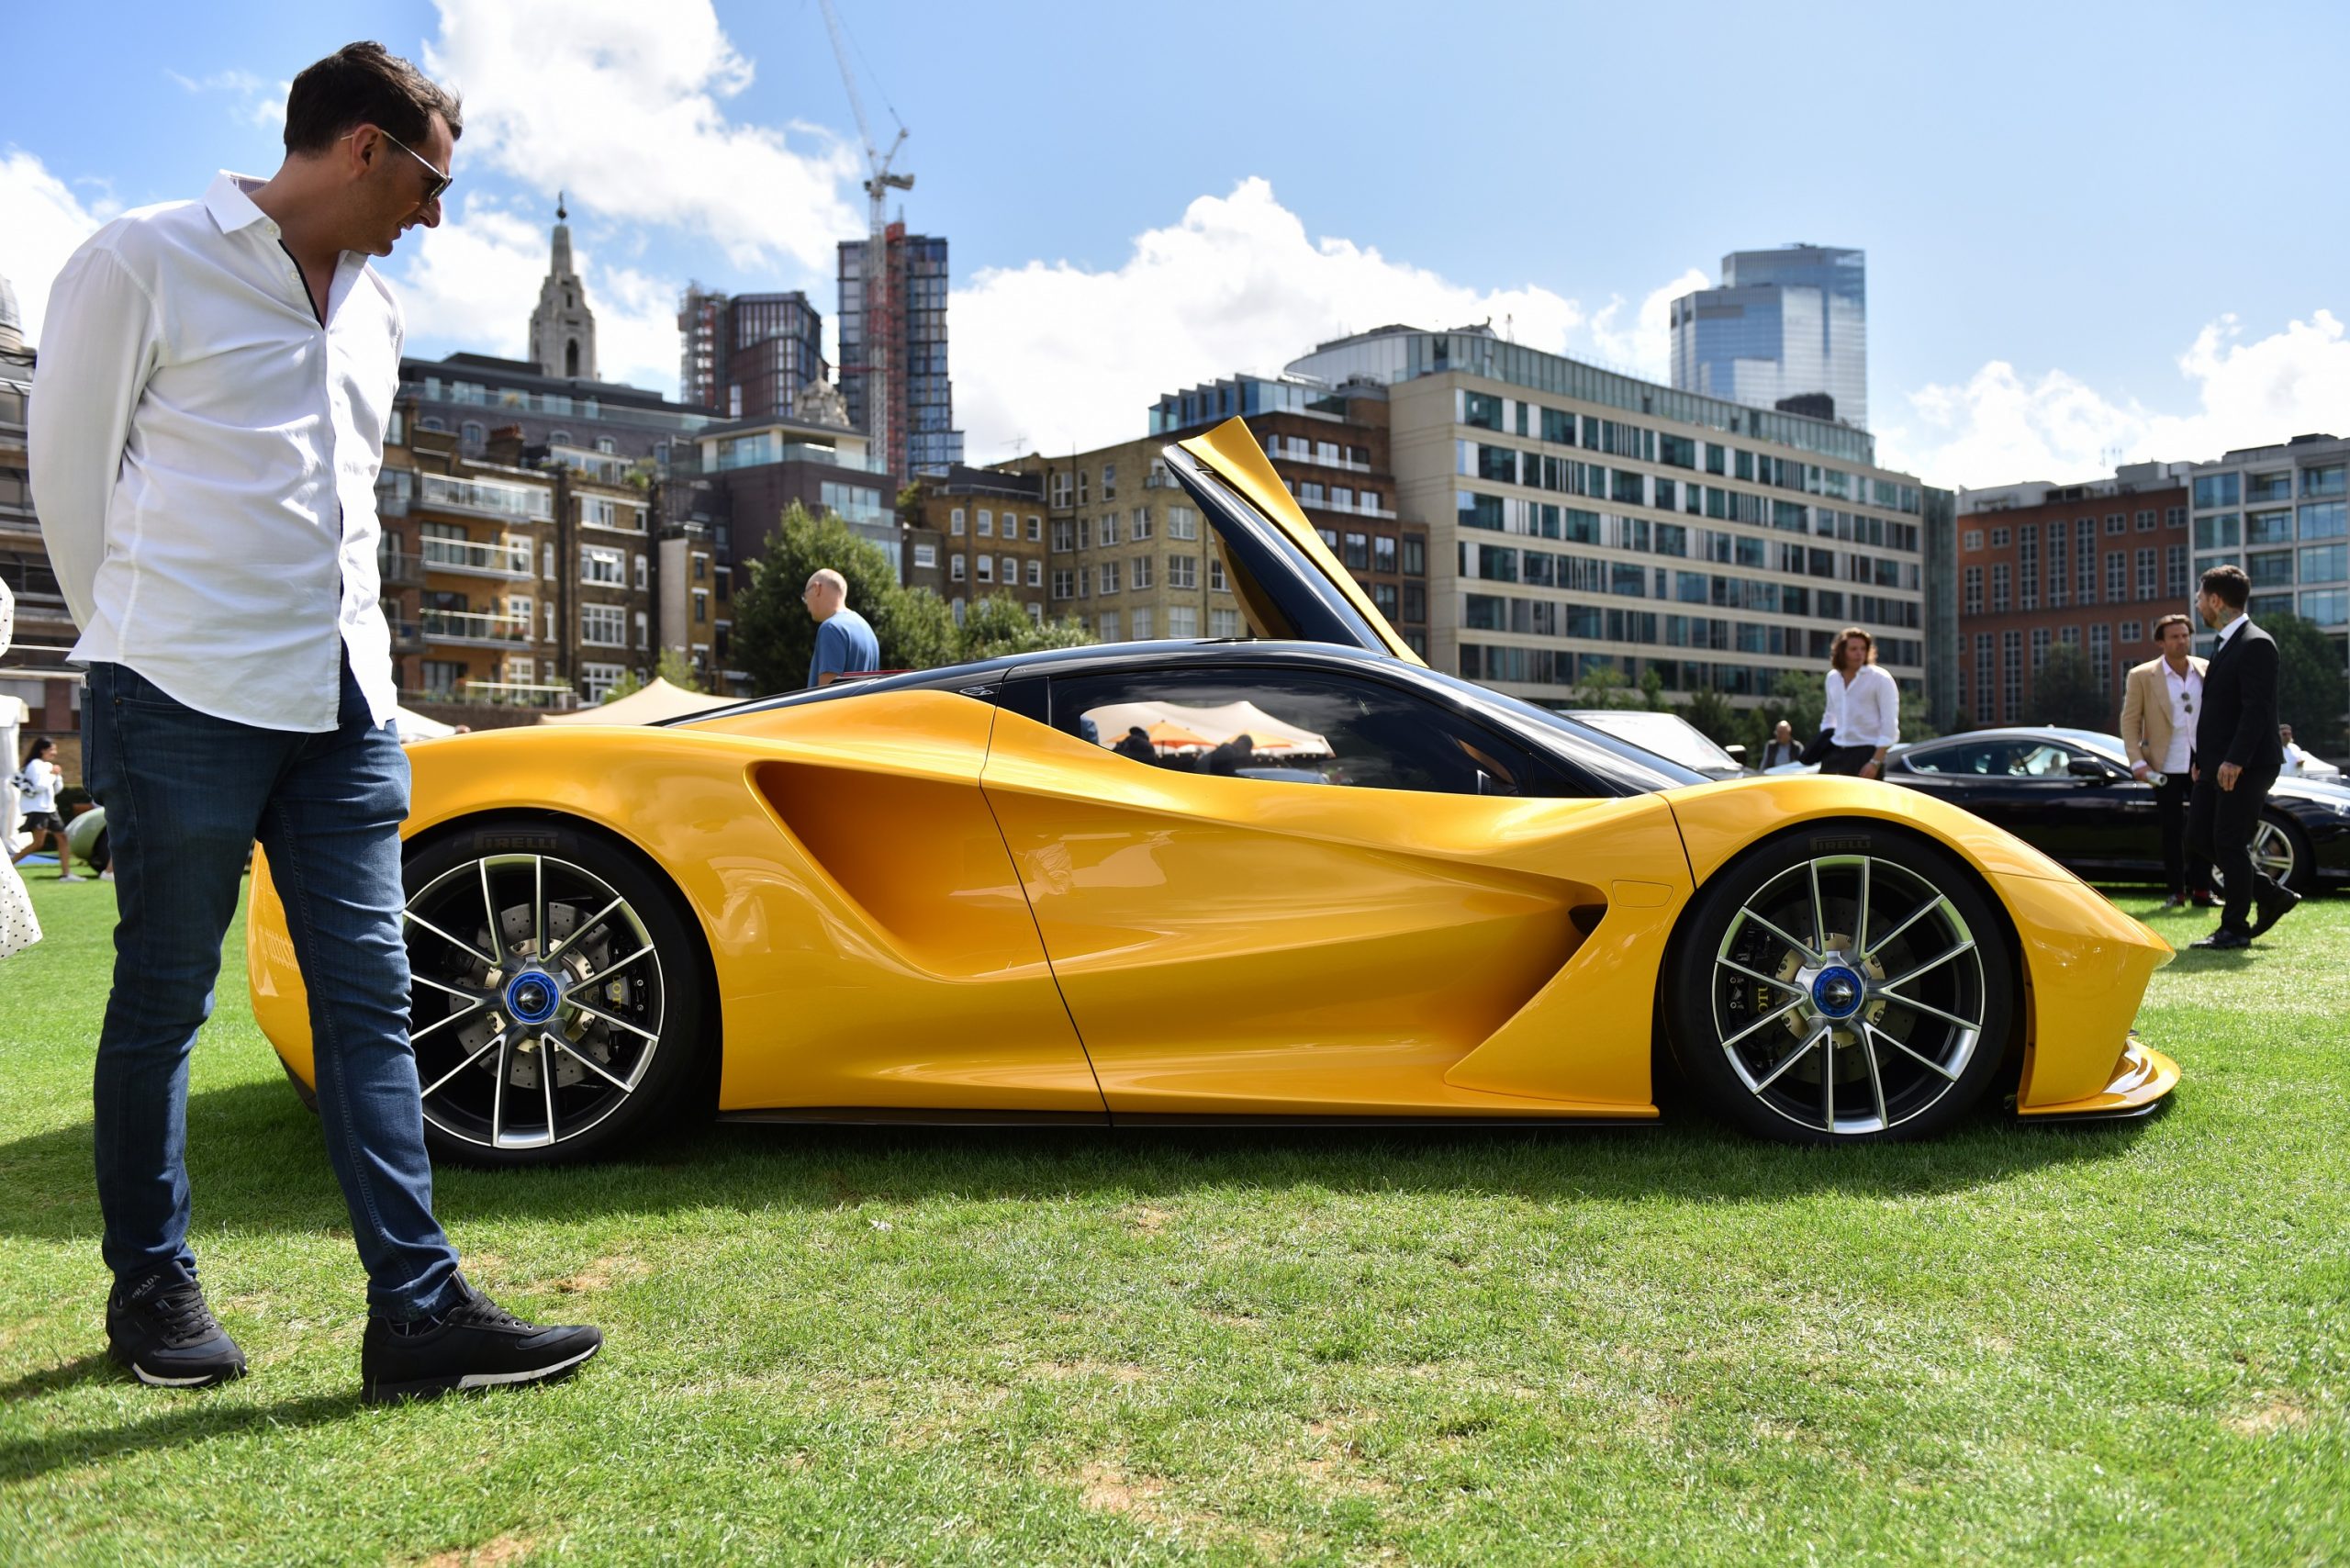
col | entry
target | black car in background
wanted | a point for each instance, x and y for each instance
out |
(2069, 794)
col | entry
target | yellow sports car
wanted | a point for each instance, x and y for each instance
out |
(1303, 879)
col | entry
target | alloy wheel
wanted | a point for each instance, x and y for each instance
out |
(538, 999)
(1848, 994)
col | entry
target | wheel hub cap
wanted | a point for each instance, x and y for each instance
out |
(1838, 992)
(532, 996)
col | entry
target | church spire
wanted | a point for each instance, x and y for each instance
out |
(563, 330)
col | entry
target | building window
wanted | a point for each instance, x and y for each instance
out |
(1973, 600)
(603, 625)
(1009, 573)
(2101, 655)
(2175, 571)
(986, 568)
(1106, 578)
(546, 558)
(643, 573)
(954, 523)
(2145, 521)
(926, 557)
(1109, 528)
(2028, 566)
(1109, 626)
(1415, 557)
(1182, 621)
(599, 567)
(1223, 623)
(2117, 575)
(1141, 564)
(1216, 583)
(2146, 572)
(1358, 553)
(1182, 522)
(955, 567)
(1999, 539)
(1036, 528)
(1035, 573)
(984, 524)
(2002, 592)
(1382, 552)
(1064, 583)
(1142, 626)
(1182, 572)
(472, 433)
(701, 604)
(1141, 525)
(596, 681)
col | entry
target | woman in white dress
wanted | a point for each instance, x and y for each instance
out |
(19, 928)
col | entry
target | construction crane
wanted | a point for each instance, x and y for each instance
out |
(880, 312)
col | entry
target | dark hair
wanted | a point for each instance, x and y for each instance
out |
(1836, 654)
(365, 84)
(40, 744)
(2229, 583)
(2173, 618)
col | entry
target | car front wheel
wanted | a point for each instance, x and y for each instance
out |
(556, 1008)
(1842, 983)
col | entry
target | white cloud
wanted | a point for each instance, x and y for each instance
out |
(2001, 426)
(1644, 346)
(1051, 356)
(45, 222)
(621, 104)
(256, 102)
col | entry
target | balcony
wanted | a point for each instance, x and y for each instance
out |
(398, 570)
(469, 559)
(474, 629)
(407, 637)
(518, 694)
(487, 498)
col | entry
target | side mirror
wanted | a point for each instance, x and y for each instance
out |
(2088, 769)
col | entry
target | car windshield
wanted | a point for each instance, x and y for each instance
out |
(1667, 735)
(1634, 766)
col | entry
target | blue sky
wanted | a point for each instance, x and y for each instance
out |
(2094, 232)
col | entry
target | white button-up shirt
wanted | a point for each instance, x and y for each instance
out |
(2186, 692)
(203, 461)
(1870, 712)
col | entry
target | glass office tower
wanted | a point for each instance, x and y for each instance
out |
(1787, 329)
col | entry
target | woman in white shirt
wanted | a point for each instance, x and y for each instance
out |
(37, 783)
(1863, 708)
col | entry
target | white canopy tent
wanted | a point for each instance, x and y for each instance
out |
(654, 703)
(1213, 726)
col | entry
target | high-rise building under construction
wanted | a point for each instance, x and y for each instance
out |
(911, 337)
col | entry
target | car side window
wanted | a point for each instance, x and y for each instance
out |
(1286, 727)
(1972, 759)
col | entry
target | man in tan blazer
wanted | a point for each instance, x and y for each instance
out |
(2158, 707)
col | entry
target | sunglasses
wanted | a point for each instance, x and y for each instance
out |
(433, 188)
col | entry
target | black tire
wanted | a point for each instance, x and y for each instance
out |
(1917, 1028)
(2300, 873)
(619, 1011)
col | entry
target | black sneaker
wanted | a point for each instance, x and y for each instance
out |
(161, 1330)
(476, 1344)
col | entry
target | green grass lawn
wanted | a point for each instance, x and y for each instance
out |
(2082, 1344)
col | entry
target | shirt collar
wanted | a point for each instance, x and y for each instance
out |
(232, 203)
(2233, 627)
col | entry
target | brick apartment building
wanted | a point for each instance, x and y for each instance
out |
(2042, 567)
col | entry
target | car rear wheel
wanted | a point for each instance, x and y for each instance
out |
(556, 1003)
(1843, 983)
(2280, 853)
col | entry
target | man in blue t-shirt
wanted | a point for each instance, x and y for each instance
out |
(845, 644)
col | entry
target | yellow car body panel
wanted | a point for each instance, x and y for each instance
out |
(894, 965)
(1232, 946)
(2085, 963)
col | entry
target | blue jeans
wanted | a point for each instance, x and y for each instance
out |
(186, 795)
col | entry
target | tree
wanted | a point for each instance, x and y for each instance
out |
(1711, 715)
(1916, 726)
(997, 626)
(673, 666)
(1798, 696)
(1603, 685)
(1652, 690)
(2312, 690)
(774, 637)
(2064, 693)
(909, 507)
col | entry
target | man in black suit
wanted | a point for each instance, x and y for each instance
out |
(2236, 759)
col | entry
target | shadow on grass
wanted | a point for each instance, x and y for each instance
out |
(189, 1416)
(255, 1161)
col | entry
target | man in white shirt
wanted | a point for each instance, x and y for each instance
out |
(1865, 708)
(2158, 706)
(207, 422)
